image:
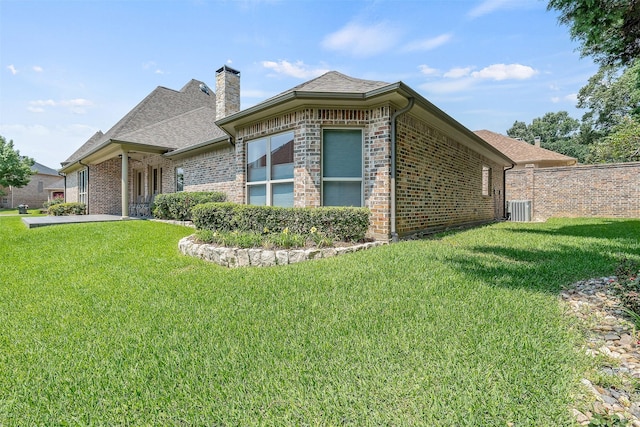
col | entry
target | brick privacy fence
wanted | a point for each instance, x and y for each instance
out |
(603, 190)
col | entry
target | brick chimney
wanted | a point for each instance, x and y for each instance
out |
(536, 141)
(227, 92)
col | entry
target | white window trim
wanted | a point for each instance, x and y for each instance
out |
(268, 182)
(338, 179)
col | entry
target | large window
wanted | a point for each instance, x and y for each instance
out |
(83, 185)
(342, 167)
(270, 170)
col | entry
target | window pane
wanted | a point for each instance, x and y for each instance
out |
(282, 156)
(257, 195)
(342, 193)
(257, 160)
(282, 194)
(342, 153)
(179, 179)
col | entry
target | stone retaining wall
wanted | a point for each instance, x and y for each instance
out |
(256, 257)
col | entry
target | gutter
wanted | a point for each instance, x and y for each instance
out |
(504, 192)
(394, 117)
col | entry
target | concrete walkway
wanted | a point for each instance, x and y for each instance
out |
(42, 221)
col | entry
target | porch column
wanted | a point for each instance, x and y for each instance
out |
(124, 184)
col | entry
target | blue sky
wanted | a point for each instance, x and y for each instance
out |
(70, 68)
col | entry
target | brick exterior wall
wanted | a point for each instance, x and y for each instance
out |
(604, 190)
(212, 171)
(104, 188)
(439, 181)
(32, 194)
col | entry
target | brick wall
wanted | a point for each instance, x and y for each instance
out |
(604, 190)
(32, 194)
(439, 180)
(212, 171)
(104, 188)
(307, 124)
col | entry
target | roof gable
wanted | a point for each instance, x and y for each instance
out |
(161, 105)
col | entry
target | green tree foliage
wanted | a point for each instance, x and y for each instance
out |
(557, 131)
(15, 170)
(608, 30)
(621, 145)
(611, 96)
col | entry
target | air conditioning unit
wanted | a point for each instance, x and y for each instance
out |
(519, 210)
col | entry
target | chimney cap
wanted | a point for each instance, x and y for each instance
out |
(227, 68)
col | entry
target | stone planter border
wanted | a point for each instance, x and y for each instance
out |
(257, 257)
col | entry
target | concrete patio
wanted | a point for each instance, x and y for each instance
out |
(42, 221)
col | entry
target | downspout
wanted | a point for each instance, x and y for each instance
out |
(65, 188)
(504, 192)
(394, 117)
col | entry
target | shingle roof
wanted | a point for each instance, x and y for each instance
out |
(42, 169)
(148, 121)
(522, 152)
(334, 81)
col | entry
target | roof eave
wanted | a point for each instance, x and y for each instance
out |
(196, 149)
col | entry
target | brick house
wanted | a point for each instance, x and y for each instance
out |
(332, 141)
(45, 184)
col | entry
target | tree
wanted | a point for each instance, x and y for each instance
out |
(15, 170)
(621, 145)
(608, 30)
(611, 95)
(557, 131)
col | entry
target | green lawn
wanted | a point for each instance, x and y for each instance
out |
(108, 324)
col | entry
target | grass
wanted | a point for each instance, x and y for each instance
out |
(107, 324)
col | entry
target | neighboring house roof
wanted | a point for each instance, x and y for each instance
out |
(43, 170)
(166, 119)
(522, 153)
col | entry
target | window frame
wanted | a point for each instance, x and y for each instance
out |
(486, 183)
(341, 179)
(83, 186)
(269, 183)
(179, 182)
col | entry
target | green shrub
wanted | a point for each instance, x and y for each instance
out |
(61, 209)
(339, 223)
(178, 205)
(54, 201)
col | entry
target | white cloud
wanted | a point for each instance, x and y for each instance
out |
(75, 105)
(572, 98)
(428, 71)
(464, 78)
(13, 69)
(458, 72)
(448, 86)
(362, 40)
(505, 72)
(428, 44)
(37, 69)
(298, 69)
(486, 7)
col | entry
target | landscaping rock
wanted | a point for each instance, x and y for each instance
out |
(610, 334)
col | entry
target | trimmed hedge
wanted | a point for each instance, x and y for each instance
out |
(342, 223)
(178, 205)
(62, 209)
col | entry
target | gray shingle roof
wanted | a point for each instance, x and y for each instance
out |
(334, 82)
(42, 169)
(148, 122)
